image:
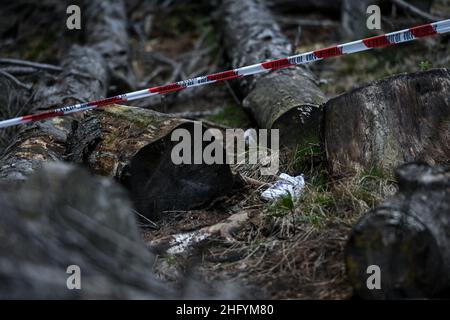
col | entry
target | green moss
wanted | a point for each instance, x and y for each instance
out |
(171, 260)
(231, 115)
(40, 46)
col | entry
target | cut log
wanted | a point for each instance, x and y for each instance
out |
(63, 216)
(106, 32)
(389, 122)
(287, 99)
(134, 146)
(84, 78)
(407, 238)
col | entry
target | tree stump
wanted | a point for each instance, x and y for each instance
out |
(407, 237)
(389, 122)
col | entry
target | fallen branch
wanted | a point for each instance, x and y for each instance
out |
(19, 71)
(15, 80)
(25, 63)
(185, 242)
(306, 22)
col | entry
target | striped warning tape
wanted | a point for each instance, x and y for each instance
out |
(347, 48)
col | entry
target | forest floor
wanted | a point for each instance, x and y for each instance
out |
(287, 249)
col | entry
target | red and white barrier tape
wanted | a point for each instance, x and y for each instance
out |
(346, 48)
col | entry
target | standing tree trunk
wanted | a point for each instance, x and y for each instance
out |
(134, 146)
(407, 237)
(389, 122)
(84, 78)
(287, 99)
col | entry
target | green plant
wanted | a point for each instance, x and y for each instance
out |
(424, 65)
(231, 115)
(281, 207)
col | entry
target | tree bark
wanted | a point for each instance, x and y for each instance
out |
(407, 237)
(84, 78)
(354, 18)
(134, 146)
(106, 32)
(289, 6)
(287, 99)
(64, 216)
(354, 15)
(389, 122)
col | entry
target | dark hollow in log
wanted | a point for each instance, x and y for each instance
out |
(134, 146)
(84, 78)
(389, 122)
(287, 99)
(407, 237)
(106, 32)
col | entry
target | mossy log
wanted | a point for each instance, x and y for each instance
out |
(134, 145)
(84, 78)
(287, 99)
(407, 237)
(389, 122)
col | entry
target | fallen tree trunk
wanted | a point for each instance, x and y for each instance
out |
(134, 146)
(84, 78)
(287, 99)
(106, 32)
(407, 238)
(389, 122)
